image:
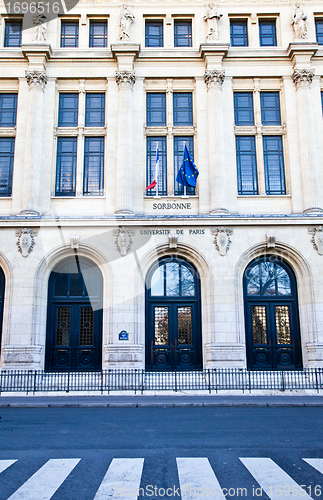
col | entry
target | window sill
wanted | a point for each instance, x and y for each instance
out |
(264, 196)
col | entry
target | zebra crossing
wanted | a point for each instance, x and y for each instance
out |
(197, 479)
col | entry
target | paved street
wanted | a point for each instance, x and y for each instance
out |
(101, 453)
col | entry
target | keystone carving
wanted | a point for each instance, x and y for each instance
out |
(123, 240)
(36, 79)
(172, 240)
(222, 239)
(26, 240)
(317, 238)
(303, 76)
(271, 240)
(75, 241)
(125, 77)
(214, 76)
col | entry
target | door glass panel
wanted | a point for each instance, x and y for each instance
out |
(76, 285)
(172, 279)
(161, 325)
(61, 285)
(282, 325)
(63, 325)
(157, 282)
(283, 281)
(268, 285)
(259, 325)
(253, 280)
(184, 315)
(86, 325)
(188, 289)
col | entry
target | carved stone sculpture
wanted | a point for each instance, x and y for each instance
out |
(299, 23)
(125, 77)
(271, 240)
(26, 240)
(303, 76)
(222, 239)
(125, 20)
(75, 241)
(40, 27)
(172, 240)
(36, 79)
(123, 240)
(212, 18)
(317, 238)
(214, 76)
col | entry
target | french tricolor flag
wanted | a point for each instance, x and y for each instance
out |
(155, 181)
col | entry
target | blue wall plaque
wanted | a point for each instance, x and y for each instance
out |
(123, 335)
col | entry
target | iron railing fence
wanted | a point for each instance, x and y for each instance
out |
(219, 379)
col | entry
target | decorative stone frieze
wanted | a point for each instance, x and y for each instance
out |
(126, 77)
(26, 240)
(36, 79)
(271, 240)
(317, 238)
(222, 239)
(214, 76)
(303, 76)
(123, 240)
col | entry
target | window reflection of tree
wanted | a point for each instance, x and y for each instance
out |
(179, 280)
(273, 278)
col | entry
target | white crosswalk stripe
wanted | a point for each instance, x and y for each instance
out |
(317, 463)
(272, 479)
(122, 479)
(4, 464)
(43, 484)
(197, 479)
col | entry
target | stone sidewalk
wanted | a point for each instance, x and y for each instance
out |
(143, 401)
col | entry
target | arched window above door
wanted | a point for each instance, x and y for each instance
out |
(172, 278)
(268, 278)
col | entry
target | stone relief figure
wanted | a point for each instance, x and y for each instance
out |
(126, 18)
(222, 239)
(123, 240)
(317, 238)
(26, 241)
(299, 23)
(212, 18)
(40, 28)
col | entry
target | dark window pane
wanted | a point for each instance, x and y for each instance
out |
(187, 282)
(93, 165)
(156, 109)
(63, 326)
(282, 325)
(154, 34)
(183, 108)
(259, 325)
(95, 110)
(183, 33)
(61, 285)
(77, 287)
(7, 150)
(179, 144)
(8, 110)
(86, 336)
(246, 165)
(152, 143)
(274, 165)
(283, 281)
(268, 278)
(253, 280)
(13, 33)
(69, 34)
(98, 34)
(319, 30)
(157, 282)
(238, 33)
(243, 108)
(161, 315)
(267, 33)
(184, 319)
(66, 166)
(68, 110)
(270, 108)
(172, 279)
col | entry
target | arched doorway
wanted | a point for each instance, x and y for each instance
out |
(2, 288)
(74, 316)
(271, 316)
(173, 316)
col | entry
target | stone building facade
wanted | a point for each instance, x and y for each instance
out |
(97, 271)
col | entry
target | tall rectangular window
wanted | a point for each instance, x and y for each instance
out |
(267, 32)
(154, 34)
(319, 31)
(66, 166)
(152, 143)
(183, 33)
(238, 33)
(155, 109)
(243, 108)
(13, 33)
(95, 110)
(274, 165)
(7, 151)
(93, 166)
(68, 110)
(246, 165)
(270, 108)
(98, 33)
(179, 143)
(8, 110)
(183, 108)
(70, 34)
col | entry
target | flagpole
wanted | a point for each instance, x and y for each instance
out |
(184, 185)
(157, 169)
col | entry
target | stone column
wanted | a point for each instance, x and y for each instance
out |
(125, 81)
(307, 143)
(217, 169)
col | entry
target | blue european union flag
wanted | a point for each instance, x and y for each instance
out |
(188, 172)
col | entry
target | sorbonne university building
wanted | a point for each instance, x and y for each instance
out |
(99, 272)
